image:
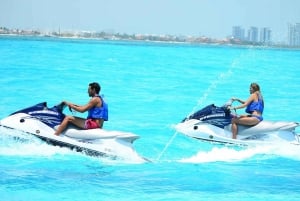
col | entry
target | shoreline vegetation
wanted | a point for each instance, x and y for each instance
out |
(137, 37)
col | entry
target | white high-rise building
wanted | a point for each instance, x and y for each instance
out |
(253, 34)
(238, 33)
(294, 34)
(265, 35)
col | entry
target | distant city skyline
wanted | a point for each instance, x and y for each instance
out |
(253, 34)
(211, 18)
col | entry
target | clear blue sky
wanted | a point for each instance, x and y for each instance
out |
(213, 18)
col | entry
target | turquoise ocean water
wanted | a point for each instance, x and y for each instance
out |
(149, 88)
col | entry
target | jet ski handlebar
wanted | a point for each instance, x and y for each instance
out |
(228, 103)
(62, 105)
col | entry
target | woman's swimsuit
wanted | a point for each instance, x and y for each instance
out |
(260, 118)
(256, 106)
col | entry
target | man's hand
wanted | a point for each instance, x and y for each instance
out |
(232, 108)
(234, 99)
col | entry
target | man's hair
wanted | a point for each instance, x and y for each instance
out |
(96, 86)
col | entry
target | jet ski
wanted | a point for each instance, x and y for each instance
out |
(41, 122)
(213, 124)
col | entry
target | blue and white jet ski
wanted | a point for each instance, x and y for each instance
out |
(41, 121)
(213, 124)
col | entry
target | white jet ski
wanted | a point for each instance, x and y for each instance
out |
(213, 124)
(41, 121)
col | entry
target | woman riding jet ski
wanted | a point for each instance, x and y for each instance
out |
(255, 108)
(218, 124)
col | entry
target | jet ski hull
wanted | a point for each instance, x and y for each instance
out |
(61, 143)
(251, 136)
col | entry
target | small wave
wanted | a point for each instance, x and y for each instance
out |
(17, 143)
(23, 145)
(230, 154)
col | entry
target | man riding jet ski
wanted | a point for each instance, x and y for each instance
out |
(42, 122)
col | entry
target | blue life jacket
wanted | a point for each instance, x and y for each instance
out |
(255, 106)
(99, 112)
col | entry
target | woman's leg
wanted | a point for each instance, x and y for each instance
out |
(234, 128)
(247, 121)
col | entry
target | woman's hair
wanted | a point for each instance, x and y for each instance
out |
(255, 86)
